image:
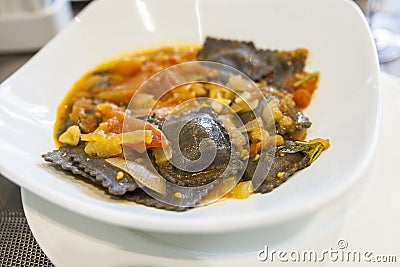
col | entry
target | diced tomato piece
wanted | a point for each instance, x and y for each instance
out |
(158, 137)
(138, 147)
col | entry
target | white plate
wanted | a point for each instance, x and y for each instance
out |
(59, 231)
(345, 107)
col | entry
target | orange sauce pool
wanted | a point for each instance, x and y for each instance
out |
(115, 81)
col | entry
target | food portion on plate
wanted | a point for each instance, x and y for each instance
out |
(108, 124)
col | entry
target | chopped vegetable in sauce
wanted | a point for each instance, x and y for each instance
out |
(96, 131)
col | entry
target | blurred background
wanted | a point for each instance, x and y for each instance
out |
(27, 25)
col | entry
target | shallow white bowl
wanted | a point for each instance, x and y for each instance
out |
(345, 109)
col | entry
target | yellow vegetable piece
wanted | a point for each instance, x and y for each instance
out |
(242, 190)
(71, 136)
(137, 137)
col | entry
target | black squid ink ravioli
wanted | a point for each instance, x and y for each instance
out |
(90, 121)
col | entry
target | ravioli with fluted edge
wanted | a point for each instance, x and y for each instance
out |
(97, 131)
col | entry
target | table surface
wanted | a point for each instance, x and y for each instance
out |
(18, 247)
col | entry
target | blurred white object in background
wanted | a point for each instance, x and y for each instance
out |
(26, 25)
(15, 6)
(384, 19)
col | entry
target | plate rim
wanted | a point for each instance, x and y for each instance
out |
(180, 226)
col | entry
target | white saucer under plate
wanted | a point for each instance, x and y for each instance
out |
(366, 221)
